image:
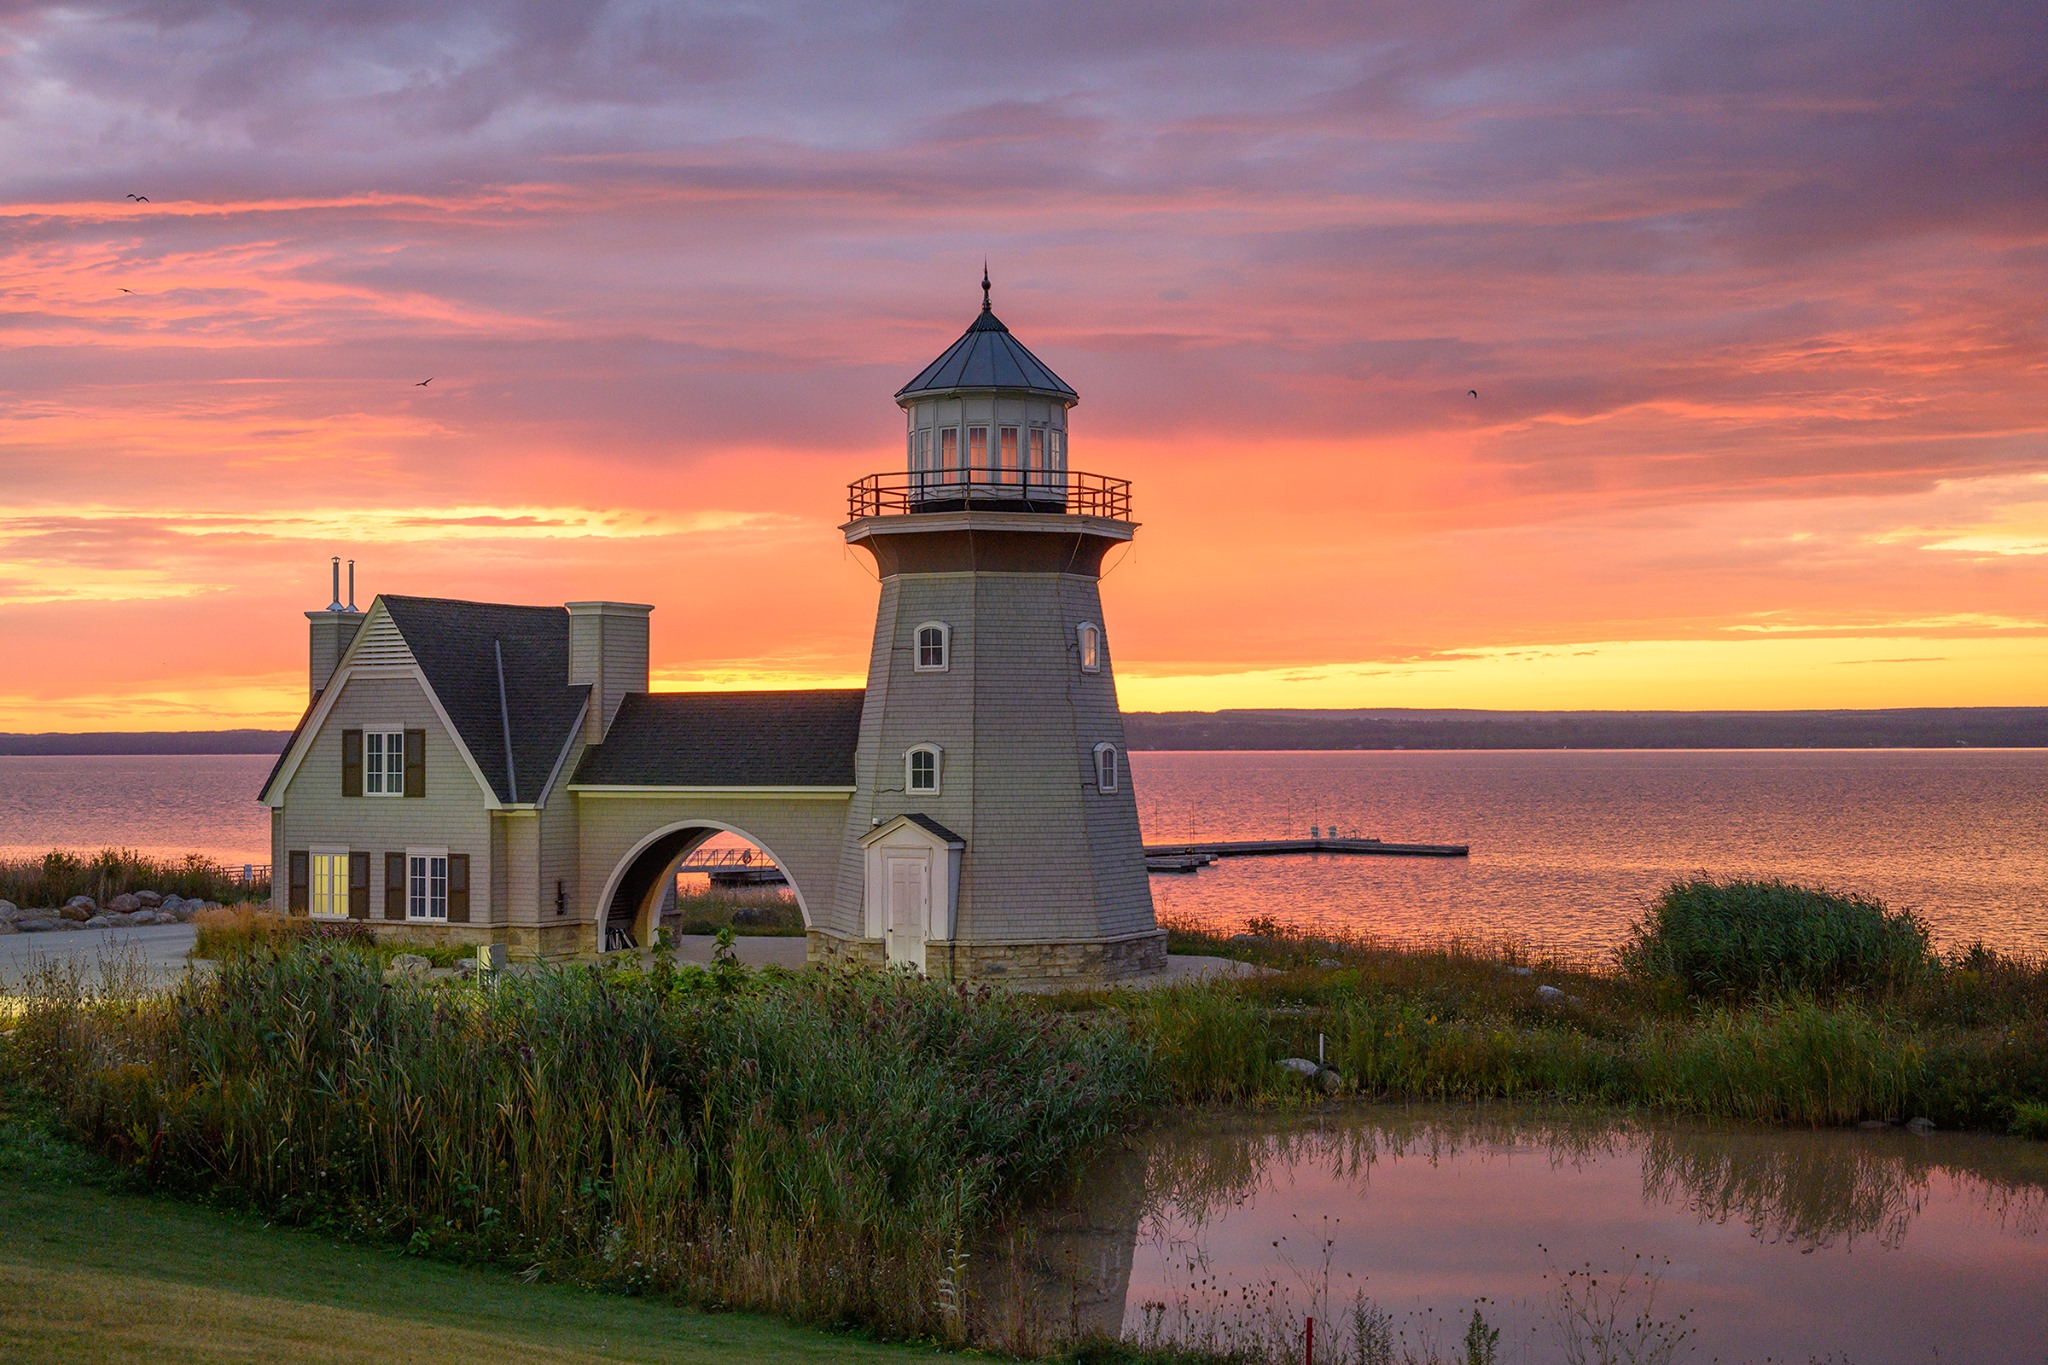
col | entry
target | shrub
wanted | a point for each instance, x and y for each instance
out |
(1754, 937)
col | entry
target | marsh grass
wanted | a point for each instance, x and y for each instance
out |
(238, 931)
(57, 876)
(817, 1145)
(1963, 1042)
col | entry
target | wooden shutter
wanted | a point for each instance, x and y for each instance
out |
(299, 896)
(394, 886)
(415, 762)
(458, 888)
(351, 762)
(358, 886)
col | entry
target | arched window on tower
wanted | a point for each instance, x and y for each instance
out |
(934, 653)
(1105, 767)
(1089, 639)
(921, 770)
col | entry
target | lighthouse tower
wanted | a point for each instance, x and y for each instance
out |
(992, 833)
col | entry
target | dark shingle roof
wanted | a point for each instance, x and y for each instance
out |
(453, 643)
(728, 739)
(987, 357)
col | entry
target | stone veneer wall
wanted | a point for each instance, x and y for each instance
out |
(1076, 963)
(523, 942)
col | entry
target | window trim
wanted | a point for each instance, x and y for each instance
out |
(386, 730)
(938, 756)
(428, 855)
(1113, 768)
(945, 663)
(313, 857)
(1090, 659)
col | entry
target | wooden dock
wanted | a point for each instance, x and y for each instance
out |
(1187, 857)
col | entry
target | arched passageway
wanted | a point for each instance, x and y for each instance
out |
(639, 885)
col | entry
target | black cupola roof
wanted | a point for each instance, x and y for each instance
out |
(987, 357)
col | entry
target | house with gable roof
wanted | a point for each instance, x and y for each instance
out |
(482, 773)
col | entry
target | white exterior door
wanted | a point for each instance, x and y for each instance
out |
(908, 878)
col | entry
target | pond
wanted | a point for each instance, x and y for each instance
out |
(1685, 1241)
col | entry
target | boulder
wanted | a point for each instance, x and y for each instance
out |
(37, 924)
(441, 973)
(87, 901)
(1921, 1126)
(76, 913)
(124, 904)
(1550, 995)
(181, 915)
(8, 912)
(105, 921)
(1522, 971)
(410, 964)
(150, 899)
(7, 927)
(466, 968)
(1328, 1081)
(1300, 1066)
(171, 903)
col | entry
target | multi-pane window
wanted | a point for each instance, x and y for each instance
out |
(921, 770)
(977, 451)
(426, 886)
(1056, 454)
(1105, 767)
(384, 763)
(1006, 456)
(932, 642)
(1034, 458)
(1091, 648)
(949, 449)
(329, 889)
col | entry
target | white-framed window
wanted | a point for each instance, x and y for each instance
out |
(934, 649)
(328, 884)
(1034, 456)
(1088, 636)
(1105, 767)
(949, 450)
(921, 770)
(426, 883)
(1056, 454)
(977, 454)
(383, 762)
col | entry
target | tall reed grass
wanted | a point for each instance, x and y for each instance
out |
(1748, 937)
(57, 876)
(817, 1145)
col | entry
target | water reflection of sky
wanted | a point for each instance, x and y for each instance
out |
(1566, 845)
(1877, 1246)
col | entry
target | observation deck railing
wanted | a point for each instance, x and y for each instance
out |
(1073, 492)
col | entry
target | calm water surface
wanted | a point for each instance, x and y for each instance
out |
(1565, 845)
(1766, 1245)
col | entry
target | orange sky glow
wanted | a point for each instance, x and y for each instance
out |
(1752, 297)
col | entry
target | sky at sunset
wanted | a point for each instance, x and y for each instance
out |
(1754, 297)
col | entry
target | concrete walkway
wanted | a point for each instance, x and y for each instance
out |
(162, 948)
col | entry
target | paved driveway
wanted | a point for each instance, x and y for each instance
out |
(162, 948)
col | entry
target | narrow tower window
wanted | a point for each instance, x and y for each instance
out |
(949, 450)
(1006, 456)
(934, 647)
(1090, 636)
(1105, 767)
(977, 454)
(921, 770)
(1034, 459)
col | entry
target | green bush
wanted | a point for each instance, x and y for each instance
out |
(1745, 938)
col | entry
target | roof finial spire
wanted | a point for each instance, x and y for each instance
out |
(985, 306)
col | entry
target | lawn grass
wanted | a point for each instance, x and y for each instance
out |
(92, 1271)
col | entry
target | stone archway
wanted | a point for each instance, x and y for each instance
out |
(633, 894)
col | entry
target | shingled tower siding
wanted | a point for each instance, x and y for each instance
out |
(1052, 879)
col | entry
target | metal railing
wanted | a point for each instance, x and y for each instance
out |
(704, 859)
(1074, 492)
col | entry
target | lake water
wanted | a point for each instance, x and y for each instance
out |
(1747, 1244)
(1565, 845)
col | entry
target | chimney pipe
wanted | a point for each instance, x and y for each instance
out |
(351, 585)
(335, 605)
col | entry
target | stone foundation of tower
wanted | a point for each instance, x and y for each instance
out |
(1087, 963)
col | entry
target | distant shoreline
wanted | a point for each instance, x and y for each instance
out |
(1974, 727)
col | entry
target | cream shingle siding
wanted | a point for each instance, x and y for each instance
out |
(803, 834)
(559, 850)
(452, 813)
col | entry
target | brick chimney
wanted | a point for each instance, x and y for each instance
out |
(608, 650)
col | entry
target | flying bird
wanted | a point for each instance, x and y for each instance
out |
(140, 198)
(127, 291)
(1473, 392)
(424, 382)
